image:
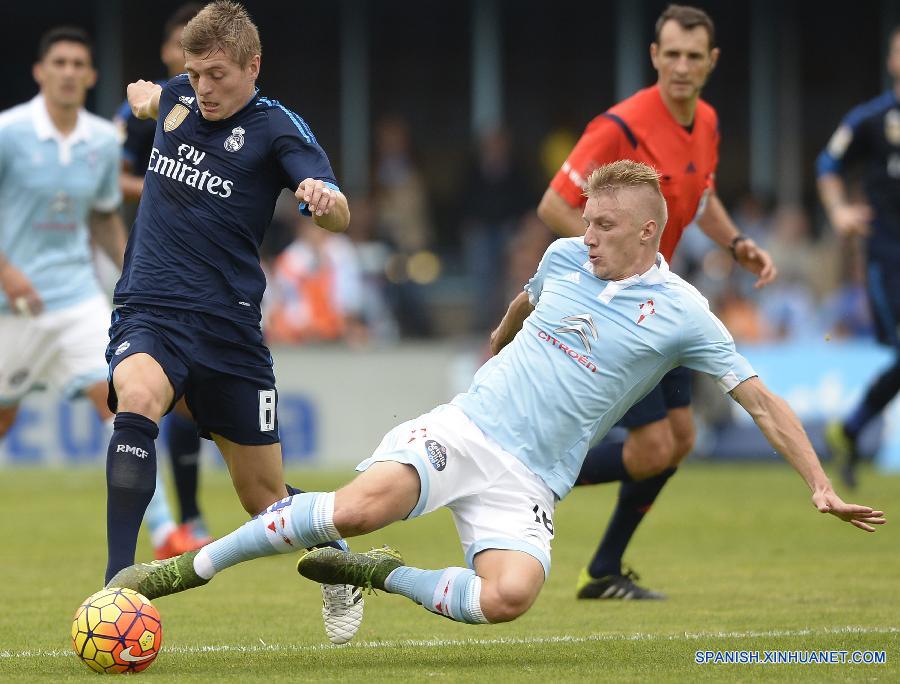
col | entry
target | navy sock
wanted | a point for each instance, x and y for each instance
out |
(183, 443)
(879, 395)
(604, 463)
(130, 482)
(635, 499)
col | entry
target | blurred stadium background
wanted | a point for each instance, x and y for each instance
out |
(444, 123)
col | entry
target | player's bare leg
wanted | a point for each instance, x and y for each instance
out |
(511, 581)
(651, 454)
(144, 394)
(503, 586)
(256, 472)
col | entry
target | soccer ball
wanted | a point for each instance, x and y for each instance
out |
(116, 630)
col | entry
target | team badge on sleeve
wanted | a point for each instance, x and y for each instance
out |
(235, 141)
(840, 141)
(176, 115)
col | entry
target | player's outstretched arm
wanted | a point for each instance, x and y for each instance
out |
(328, 206)
(515, 316)
(717, 224)
(783, 429)
(143, 96)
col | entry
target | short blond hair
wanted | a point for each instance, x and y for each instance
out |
(222, 25)
(626, 173)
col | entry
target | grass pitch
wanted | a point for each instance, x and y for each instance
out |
(747, 563)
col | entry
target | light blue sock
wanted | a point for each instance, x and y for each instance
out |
(452, 592)
(296, 522)
(158, 516)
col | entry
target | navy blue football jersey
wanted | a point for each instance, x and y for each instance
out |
(870, 137)
(209, 193)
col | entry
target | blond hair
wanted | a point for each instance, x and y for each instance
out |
(629, 174)
(222, 25)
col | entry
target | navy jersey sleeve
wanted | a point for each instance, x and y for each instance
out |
(849, 140)
(297, 152)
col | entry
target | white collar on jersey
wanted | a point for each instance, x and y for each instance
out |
(43, 126)
(657, 274)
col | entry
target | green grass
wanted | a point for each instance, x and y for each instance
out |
(746, 561)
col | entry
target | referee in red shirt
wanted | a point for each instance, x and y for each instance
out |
(670, 128)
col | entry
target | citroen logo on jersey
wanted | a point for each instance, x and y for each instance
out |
(235, 141)
(581, 325)
(176, 115)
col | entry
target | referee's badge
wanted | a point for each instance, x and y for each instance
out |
(176, 115)
(892, 126)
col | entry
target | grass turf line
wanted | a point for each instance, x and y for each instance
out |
(747, 562)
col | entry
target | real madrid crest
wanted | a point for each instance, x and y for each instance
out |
(892, 126)
(235, 141)
(176, 115)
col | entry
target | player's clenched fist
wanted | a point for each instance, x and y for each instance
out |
(143, 97)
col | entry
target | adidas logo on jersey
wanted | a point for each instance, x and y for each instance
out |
(185, 100)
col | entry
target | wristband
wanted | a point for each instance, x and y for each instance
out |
(737, 238)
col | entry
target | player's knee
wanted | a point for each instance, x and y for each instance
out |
(683, 445)
(140, 399)
(353, 517)
(505, 600)
(650, 454)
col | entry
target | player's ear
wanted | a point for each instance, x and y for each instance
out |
(37, 73)
(254, 66)
(713, 58)
(654, 54)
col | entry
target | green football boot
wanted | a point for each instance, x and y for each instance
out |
(160, 578)
(368, 570)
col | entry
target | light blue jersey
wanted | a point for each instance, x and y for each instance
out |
(48, 186)
(586, 354)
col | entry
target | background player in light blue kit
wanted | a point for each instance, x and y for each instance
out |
(595, 329)
(59, 187)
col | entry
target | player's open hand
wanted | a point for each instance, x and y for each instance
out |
(143, 96)
(317, 196)
(756, 260)
(862, 517)
(23, 298)
(851, 219)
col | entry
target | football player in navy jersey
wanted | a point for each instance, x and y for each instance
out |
(188, 316)
(182, 440)
(869, 136)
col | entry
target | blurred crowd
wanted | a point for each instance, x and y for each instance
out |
(421, 263)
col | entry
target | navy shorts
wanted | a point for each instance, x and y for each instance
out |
(221, 367)
(673, 391)
(883, 285)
